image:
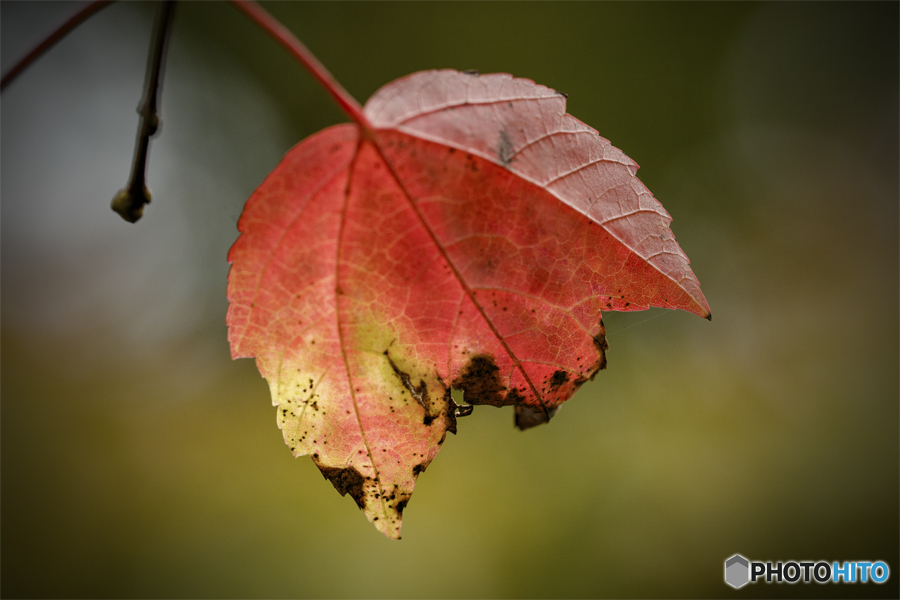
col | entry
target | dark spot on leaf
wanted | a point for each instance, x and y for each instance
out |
(346, 481)
(513, 397)
(419, 468)
(473, 72)
(558, 378)
(401, 504)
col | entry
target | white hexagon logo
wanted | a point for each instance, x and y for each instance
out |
(737, 571)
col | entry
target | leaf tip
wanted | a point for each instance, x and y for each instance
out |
(385, 526)
(527, 417)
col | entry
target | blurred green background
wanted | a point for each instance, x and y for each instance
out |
(138, 460)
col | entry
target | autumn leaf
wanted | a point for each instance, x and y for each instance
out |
(469, 239)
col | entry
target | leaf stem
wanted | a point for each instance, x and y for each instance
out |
(129, 202)
(49, 41)
(299, 51)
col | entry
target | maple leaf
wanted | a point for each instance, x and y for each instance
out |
(470, 239)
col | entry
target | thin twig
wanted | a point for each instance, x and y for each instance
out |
(49, 41)
(296, 48)
(129, 202)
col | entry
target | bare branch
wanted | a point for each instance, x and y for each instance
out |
(129, 201)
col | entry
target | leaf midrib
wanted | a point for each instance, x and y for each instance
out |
(456, 273)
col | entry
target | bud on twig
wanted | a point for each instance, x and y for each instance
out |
(129, 202)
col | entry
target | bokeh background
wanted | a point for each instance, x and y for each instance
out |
(139, 460)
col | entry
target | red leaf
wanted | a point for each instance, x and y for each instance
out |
(471, 241)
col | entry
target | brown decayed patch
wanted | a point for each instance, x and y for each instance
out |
(602, 347)
(480, 382)
(346, 481)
